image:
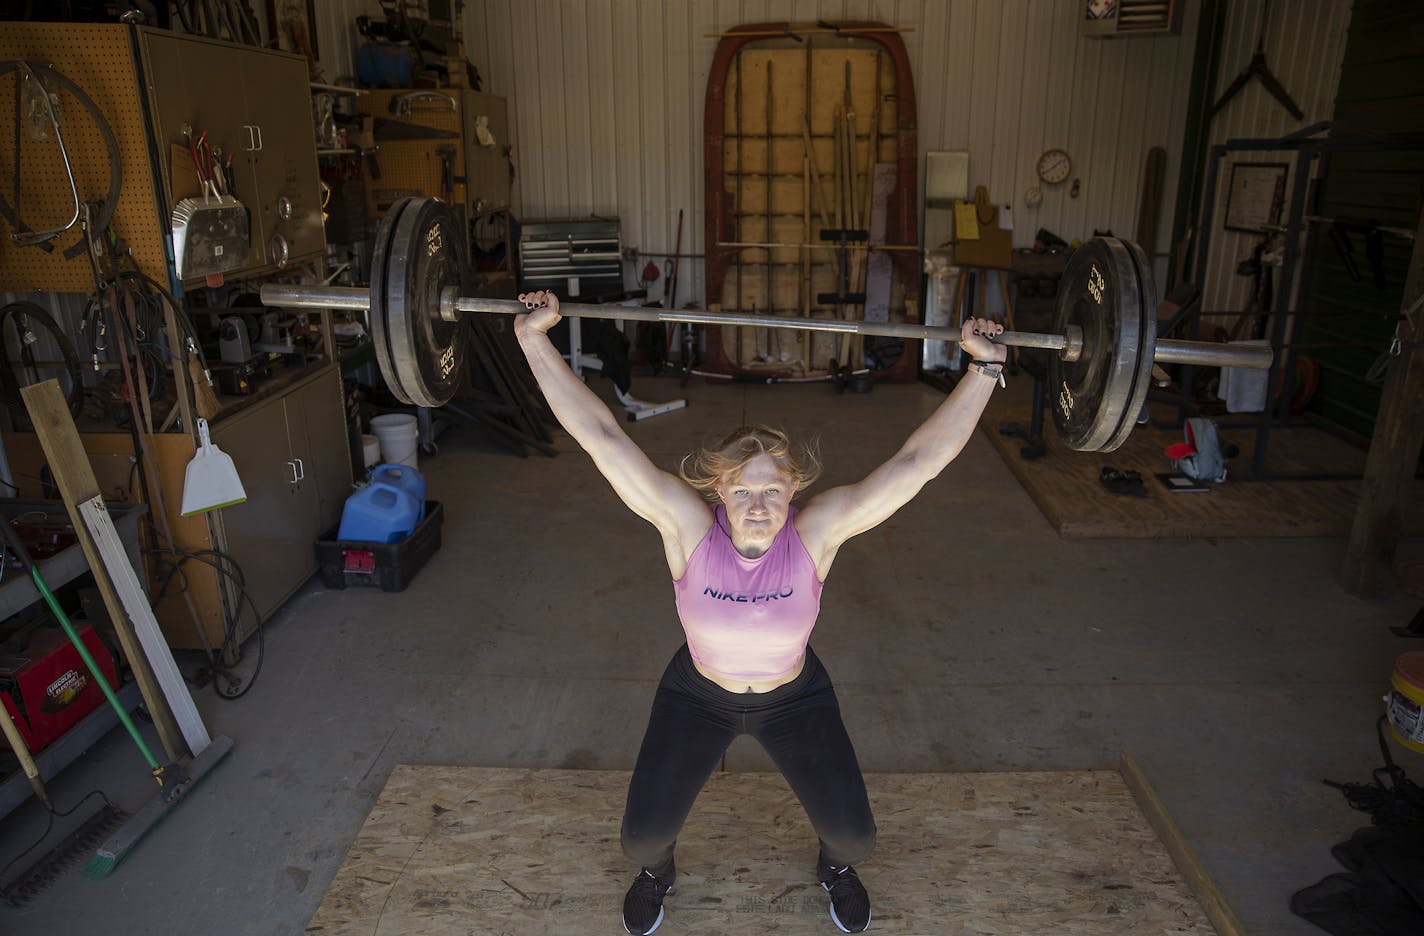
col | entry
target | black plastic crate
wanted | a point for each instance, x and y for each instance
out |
(388, 566)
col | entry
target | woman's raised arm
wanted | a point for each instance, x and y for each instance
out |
(835, 515)
(663, 499)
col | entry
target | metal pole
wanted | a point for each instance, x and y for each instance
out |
(1166, 351)
(316, 297)
(1304, 160)
(1212, 354)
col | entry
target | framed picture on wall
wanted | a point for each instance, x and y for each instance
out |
(1256, 196)
(293, 25)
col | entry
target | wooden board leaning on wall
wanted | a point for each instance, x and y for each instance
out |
(775, 96)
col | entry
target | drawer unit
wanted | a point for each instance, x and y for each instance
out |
(576, 258)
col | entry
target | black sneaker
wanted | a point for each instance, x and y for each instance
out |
(643, 904)
(850, 904)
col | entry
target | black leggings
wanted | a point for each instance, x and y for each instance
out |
(799, 724)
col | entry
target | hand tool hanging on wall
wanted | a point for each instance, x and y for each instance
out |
(1258, 69)
(45, 83)
(766, 340)
(384, 128)
(846, 229)
(1104, 325)
(846, 189)
(822, 199)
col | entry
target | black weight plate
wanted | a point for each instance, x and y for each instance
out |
(1100, 294)
(381, 253)
(427, 255)
(1146, 345)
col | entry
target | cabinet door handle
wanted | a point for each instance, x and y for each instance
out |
(302, 468)
(251, 137)
(258, 128)
(293, 465)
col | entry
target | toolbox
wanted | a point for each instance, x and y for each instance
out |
(387, 566)
(46, 688)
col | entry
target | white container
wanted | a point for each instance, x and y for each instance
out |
(370, 451)
(397, 434)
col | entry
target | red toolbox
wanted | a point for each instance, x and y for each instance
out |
(46, 688)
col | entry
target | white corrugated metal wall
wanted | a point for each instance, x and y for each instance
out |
(1304, 45)
(606, 100)
(336, 36)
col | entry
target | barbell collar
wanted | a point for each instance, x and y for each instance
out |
(1073, 348)
(1069, 345)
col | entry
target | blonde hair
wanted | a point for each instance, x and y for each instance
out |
(713, 464)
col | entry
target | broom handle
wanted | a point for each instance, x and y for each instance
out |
(22, 752)
(93, 667)
(17, 546)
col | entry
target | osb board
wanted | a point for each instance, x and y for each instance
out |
(452, 850)
(774, 93)
(111, 456)
(1065, 486)
(98, 59)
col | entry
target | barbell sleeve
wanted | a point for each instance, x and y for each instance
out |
(287, 296)
(1167, 351)
(1212, 354)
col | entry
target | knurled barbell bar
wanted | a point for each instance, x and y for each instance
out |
(1105, 324)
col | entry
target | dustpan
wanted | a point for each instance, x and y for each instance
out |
(212, 480)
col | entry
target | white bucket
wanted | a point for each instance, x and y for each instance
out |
(370, 451)
(397, 433)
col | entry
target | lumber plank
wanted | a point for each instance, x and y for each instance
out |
(1394, 452)
(1213, 904)
(74, 476)
(126, 585)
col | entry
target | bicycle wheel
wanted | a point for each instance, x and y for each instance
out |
(29, 358)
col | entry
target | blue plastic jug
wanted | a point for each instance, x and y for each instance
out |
(379, 513)
(407, 479)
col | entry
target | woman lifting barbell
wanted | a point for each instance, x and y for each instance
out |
(747, 570)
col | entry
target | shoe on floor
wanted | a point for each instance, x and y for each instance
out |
(1122, 482)
(643, 904)
(850, 904)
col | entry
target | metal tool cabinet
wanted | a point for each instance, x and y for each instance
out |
(256, 105)
(291, 452)
(149, 84)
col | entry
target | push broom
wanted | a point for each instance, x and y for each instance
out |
(85, 837)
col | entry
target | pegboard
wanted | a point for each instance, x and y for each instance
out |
(414, 167)
(98, 59)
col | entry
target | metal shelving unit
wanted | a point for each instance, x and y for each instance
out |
(18, 592)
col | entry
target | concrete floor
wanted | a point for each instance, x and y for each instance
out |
(963, 635)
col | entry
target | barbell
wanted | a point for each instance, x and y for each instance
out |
(1105, 323)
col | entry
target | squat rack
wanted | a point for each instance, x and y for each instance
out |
(1309, 146)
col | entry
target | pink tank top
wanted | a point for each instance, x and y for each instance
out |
(748, 618)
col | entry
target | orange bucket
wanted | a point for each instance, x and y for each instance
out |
(1404, 706)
